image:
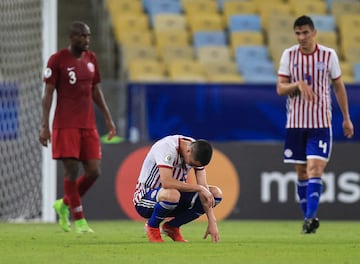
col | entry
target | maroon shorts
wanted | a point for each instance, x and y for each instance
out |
(78, 143)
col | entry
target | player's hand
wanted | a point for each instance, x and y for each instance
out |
(348, 128)
(306, 91)
(213, 231)
(45, 136)
(111, 128)
(206, 197)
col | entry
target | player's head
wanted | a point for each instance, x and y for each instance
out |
(79, 34)
(305, 33)
(304, 21)
(201, 151)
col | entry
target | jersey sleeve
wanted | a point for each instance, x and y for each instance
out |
(97, 77)
(284, 69)
(334, 71)
(51, 72)
(164, 155)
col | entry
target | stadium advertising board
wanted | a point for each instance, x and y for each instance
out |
(255, 182)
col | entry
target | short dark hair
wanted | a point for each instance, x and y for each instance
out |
(202, 151)
(77, 27)
(303, 21)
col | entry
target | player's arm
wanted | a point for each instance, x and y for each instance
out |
(168, 182)
(99, 100)
(212, 228)
(342, 99)
(44, 136)
(285, 87)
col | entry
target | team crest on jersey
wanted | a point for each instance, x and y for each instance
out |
(168, 158)
(320, 66)
(47, 72)
(288, 153)
(91, 67)
(153, 194)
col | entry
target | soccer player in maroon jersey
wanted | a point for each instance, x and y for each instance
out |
(73, 73)
(304, 75)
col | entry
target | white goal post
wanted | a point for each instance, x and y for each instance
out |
(49, 37)
(27, 172)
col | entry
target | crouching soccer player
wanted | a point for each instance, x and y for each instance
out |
(162, 192)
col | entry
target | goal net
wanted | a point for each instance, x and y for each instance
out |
(21, 64)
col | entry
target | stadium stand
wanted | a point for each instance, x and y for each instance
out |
(129, 22)
(171, 53)
(205, 22)
(246, 38)
(357, 72)
(197, 7)
(209, 38)
(231, 8)
(179, 37)
(165, 22)
(324, 22)
(146, 70)
(213, 54)
(308, 7)
(199, 32)
(183, 70)
(244, 23)
(268, 10)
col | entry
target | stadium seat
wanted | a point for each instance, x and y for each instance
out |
(199, 7)
(162, 7)
(205, 22)
(328, 38)
(123, 7)
(244, 23)
(308, 7)
(164, 22)
(170, 53)
(352, 54)
(246, 38)
(223, 67)
(129, 23)
(249, 54)
(270, 9)
(357, 72)
(136, 37)
(146, 70)
(211, 54)
(225, 78)
(132, 52)
(324, 22)
(346, 69)
(224, 71)
(260, 78)
(341, 8)
(281, 22)
(278, 41)
(183, 70)
(349, 35)
(238, 7)
(171, 38)
(209, 38)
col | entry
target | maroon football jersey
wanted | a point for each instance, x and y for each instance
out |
(73, 79)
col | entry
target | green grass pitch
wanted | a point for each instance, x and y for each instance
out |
(125, 242)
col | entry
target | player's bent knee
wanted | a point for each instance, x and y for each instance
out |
(170, 195)
(216, 191)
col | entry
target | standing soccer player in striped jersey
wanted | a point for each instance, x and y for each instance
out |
(304, 75)
(162, 190)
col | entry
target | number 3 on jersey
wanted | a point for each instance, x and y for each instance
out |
(323, 145)
(72, 77)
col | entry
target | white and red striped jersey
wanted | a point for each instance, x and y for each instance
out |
(164, 153)
(316, 69)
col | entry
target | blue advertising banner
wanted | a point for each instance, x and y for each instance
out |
(9, 109)
(216, 112)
